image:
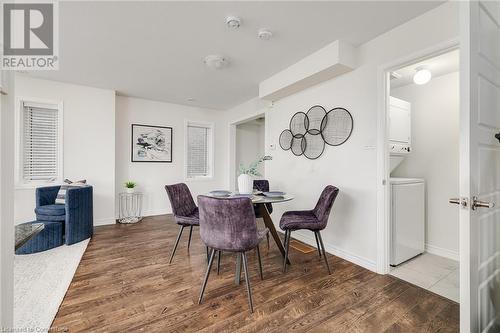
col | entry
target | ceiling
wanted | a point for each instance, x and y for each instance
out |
(155, 50)
(440, 65)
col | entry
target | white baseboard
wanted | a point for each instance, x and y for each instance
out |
(358, 260)
(155, 212)
(442, 252)
(107, 221)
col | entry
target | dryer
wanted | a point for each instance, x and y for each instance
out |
(407, 219)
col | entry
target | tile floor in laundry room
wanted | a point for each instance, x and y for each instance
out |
(437, 274)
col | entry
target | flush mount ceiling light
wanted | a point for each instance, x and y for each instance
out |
(215, 61)
(422, 75)
(233, 22)
(264, 34)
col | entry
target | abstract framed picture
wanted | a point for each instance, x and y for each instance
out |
(151, 143)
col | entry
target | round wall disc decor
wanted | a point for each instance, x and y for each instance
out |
(286, 140)
(315, 117)
(298, 145)
(299, 124)
(315, 145)
(310, 132)
(337, 126)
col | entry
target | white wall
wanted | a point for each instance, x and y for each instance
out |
(434, 156)
(250, 143)
(352, 229)
(89, 142)
(6, 202)
(152, 177)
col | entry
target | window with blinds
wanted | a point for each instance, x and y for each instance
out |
(198, 150)
(40, 143)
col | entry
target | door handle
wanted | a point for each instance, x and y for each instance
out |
(498, 136)
(458, 201)
(483, 204)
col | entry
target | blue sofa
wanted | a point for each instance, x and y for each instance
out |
(76, 214)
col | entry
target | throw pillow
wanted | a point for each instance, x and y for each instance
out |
(61, 195)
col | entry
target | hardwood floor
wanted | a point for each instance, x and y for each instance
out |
(124, 284)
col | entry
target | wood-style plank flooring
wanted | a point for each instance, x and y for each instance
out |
(125, 284)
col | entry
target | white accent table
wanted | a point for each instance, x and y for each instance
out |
(130, 206)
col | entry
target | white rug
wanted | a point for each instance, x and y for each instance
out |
(40, 283)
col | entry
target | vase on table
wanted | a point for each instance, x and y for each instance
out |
(130, 190)
(245, 184)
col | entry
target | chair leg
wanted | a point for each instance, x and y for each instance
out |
(207, 274)
(190, 233)
(237, 277)
(267, 236)
(219, 254)
(317, 243)
(176, 243)
(288, 233)
(260, 263)
(324, 253)
(208, 255)
(247, 280)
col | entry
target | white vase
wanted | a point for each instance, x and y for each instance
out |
(130, 190)
(245, 184)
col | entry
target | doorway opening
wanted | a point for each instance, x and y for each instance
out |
(422, 140)
(247, 138)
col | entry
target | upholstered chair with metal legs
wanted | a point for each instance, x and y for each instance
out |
(314, 220)
(184, 209)
(263, 186)
(228, 224)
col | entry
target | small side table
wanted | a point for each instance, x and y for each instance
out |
(130, 207)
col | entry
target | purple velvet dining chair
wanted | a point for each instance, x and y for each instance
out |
(184, 209)
(314, 220)
(263, 186)
(228, 224)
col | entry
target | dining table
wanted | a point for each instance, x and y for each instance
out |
(260, 200)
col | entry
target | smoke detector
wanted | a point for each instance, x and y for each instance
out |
(215, 61)
(233, 22)
(264, 34)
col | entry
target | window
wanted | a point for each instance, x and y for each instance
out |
(199, 150)
(40, 143)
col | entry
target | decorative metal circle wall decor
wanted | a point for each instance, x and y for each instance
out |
(309, 132)
(299, 124)
(337, 126)
(315, 117)
(315, 145)
(298, 145)
(286, 139)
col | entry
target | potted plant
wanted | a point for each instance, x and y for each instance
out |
(246, 177)
(130, 186)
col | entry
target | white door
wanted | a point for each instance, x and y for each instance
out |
(480, 166)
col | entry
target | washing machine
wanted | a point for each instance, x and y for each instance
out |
(407, 217)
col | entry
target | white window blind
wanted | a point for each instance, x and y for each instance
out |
(40, 140)
(198, 151)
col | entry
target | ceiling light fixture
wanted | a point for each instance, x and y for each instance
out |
(422, 75)
(233, 22)
(215, 61)
(264, 34)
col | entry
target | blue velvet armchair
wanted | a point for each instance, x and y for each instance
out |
(76, 214)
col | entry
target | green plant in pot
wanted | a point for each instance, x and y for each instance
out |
(130, 186)
(247, 175)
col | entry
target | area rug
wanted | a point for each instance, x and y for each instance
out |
(40, 283)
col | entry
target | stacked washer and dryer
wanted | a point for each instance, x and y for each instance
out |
(407, 213)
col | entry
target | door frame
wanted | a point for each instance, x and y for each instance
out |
(383, 162)
(232, 143)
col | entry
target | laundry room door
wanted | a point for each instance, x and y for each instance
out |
(479, 166)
